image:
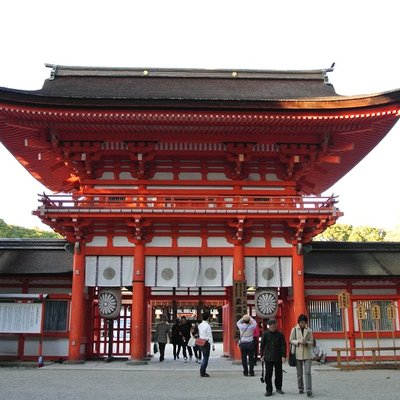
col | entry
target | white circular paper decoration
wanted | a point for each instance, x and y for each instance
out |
(110, 300)
(210, 273)
(109, 273)
(167, 274)
(268, 274)
(266, 302)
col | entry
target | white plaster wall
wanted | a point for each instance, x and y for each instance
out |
(126, 175)
(322, 292)
(107, 175)
(217, 176)
(122, 241)
(253, 177)
(374, 291)
(163, 176)
(160, 241)
(374, 343)
(277, 242)
(51, 347)
(192, 176)
(47, 290)
(263, 188)
(327, 345)
(189, 241)
(256, 242)
(272, 177)
(218, 241)
(8, 346)
(98, 241)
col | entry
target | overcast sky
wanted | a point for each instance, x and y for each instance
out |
(362, 37)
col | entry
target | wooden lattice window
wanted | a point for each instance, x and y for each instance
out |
(325, 316)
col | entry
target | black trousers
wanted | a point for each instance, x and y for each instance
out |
(247, 352)
(269, 368)
(161, 349)
(189, 349)
(177, 350)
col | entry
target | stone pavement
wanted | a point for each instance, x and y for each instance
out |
(177, 380)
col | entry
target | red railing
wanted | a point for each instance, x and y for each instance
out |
(180, 204)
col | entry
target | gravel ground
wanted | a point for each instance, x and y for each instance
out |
(181, 381)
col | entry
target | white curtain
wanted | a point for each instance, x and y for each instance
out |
(269, 271)
(108, 271)
(188, 271)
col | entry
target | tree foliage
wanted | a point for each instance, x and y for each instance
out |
(14, 231)
(350, 233)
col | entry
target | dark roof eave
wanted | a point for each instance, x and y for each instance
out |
(27, 98)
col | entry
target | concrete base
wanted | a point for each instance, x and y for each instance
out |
(137, 362)
(74, 362)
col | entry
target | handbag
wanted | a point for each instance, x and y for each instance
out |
(201, 342)
(155, 348)
(292, 353)
(192, 341)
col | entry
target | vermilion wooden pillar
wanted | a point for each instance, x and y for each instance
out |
(299, 302)
(138, 315)
(238, 275)
(77, 304)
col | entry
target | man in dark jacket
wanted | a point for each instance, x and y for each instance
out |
(273, 353)
(184, 333)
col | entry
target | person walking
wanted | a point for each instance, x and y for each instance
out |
(205, 332)
(273, 353)
(194, 333)
(161, 335)
(184, 333)
(246, 326)
(302, 339)
(176, 339)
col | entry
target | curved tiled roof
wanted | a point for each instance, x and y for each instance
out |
(321, 259)
(34, 257)
(352, 259)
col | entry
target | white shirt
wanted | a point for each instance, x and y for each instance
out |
(205, 332)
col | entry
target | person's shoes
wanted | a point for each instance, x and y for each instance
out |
(251, 373)
(190, 358)
(267, 394)
(185, 360)
(174, 358)
(309, 394)
(245, 373)
(301, 391)
(280, 391)
(204, 375)
(177, 357)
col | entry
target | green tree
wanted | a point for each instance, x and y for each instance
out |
(350, 233)
(335, 233)
(14, 231)
(366, 234)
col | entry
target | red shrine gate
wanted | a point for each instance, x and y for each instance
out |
(179, 181)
